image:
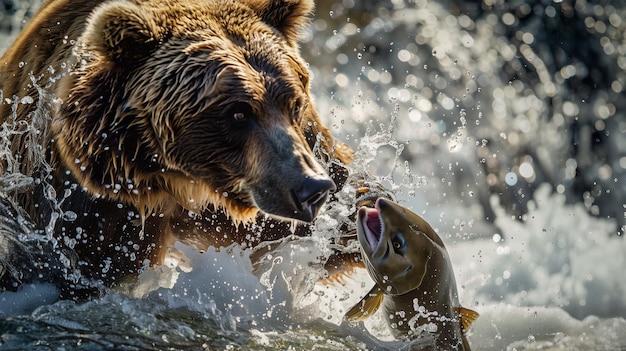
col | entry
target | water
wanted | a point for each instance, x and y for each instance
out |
(487, 121)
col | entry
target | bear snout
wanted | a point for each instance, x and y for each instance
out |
(311, 196)
(293, 197)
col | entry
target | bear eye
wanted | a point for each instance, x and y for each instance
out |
(239, 116)
(239, 112)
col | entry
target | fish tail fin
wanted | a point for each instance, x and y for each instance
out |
(467, 317)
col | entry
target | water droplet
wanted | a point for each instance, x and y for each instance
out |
(510, 178)
(69, 216)
(27, 100)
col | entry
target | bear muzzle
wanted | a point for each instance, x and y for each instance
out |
(299, 198)
(311, 196)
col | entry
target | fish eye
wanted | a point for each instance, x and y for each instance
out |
(398, 242)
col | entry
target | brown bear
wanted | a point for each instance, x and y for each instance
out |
(140, 123)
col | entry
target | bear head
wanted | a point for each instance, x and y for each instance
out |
(204, 104)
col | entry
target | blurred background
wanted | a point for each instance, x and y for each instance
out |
(489, 97)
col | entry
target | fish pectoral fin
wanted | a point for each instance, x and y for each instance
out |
(467, 316)
(367, 306)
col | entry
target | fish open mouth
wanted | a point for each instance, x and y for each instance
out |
(373, 227)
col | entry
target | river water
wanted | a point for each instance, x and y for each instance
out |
(501, 123)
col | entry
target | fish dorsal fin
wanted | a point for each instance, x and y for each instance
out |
(340, 266)
(339, 277)
(367, 306)
(467, 316)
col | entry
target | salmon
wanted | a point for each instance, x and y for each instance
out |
(415, 284)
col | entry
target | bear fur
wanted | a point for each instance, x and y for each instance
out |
(140, 123)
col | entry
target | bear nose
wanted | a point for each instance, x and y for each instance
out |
(311, 196)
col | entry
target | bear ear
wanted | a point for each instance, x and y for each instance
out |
(288, 16)
(122, 32)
